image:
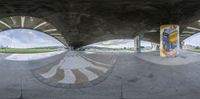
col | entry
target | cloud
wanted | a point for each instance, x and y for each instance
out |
(193, 40)
(26, 38)
(120, 43)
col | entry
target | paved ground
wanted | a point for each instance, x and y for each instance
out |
(32, 56)
(77, 69)
(131, 78)
(184, 57)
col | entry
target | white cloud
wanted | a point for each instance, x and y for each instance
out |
(26, 38)
(193, 40)
(120, 43)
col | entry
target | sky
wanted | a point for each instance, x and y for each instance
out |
(26, 38)
(120, 43)
(193, 40)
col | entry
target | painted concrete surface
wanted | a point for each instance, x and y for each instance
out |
(131, 78)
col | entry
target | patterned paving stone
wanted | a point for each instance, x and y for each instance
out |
(74, 69)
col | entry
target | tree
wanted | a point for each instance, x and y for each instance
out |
(197, 47)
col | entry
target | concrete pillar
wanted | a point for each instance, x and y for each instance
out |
(154, 46)
(169, 40)
(182, 45)
(137, 44)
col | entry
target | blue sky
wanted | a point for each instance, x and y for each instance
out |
(193, 40)
(26, 38)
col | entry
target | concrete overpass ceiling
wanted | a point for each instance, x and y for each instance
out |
(28, 22)
(190, 30)
(83, 22)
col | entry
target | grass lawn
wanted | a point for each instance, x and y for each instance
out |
(195, 50)
(26, 50)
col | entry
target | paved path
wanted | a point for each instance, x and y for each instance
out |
(76, 68)
(132, 78)
(184, 57)
(32, 56)
(3, 56)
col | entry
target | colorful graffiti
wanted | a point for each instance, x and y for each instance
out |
(169, 40)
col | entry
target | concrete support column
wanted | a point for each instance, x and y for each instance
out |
(182, 45)
(169, 40)
(154, 47)
(137, 44)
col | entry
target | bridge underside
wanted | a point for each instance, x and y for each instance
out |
(90, 21)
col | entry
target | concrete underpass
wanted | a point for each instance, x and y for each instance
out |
(76, 72)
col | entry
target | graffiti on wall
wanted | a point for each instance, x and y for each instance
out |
(169, 38)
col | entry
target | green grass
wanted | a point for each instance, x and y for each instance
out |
(24, 51)
(195, 50)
